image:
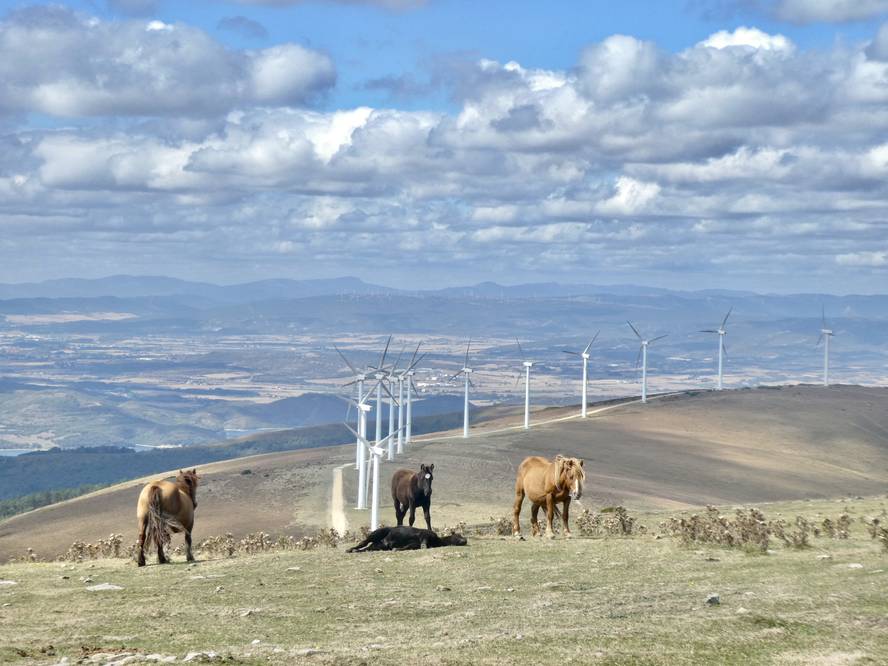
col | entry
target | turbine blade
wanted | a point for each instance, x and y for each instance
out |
(708, 330)
(471, 383)
(466, 363)
(591, 342)
(416, 361)
(384, 352)
(398, 360)
(342, 356)
(415, 352)
(519, 347)
(572, 353)
(634, 330)
(454, 376)
(659, 337)
(517, 380)
(638, 358)
(725, 320)
(819, 340)
(351, 383)
(386, 389)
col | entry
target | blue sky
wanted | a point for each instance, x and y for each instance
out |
(723, 143)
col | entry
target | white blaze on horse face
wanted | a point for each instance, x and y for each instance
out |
(428, 476)
(577, 490)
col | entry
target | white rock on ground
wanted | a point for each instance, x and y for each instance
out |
(8, 583)
(104, 587)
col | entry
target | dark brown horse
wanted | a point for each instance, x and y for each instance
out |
(411, 490)
(547, 482)
(166, 506)
(406, 538)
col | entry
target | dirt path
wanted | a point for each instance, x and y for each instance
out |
(338, 521)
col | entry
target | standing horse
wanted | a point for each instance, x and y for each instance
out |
(410, 490)
(547, 482)
(166, 506)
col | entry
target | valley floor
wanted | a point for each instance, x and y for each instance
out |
(619, 600)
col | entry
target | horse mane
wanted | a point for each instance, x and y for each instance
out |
(188, 481)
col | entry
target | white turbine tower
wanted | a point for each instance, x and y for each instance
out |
(390, 377)
(825, 335)
(527, 366)
(585, 356)
(375, 450)
(405, 377)
(379, 373)
(722, 350)
(467, 371)
(643, 356)
(411, 387)
(359, 379)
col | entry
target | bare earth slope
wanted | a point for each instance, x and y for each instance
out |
(743, 446)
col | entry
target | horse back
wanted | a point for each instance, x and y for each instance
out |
(402, 485)
(532, 476)
(174, 503)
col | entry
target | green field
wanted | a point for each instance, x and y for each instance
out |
(615, 600)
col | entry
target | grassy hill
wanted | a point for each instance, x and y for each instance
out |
(680, 451)
(615, 600)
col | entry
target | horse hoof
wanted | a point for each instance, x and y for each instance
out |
(550, 535)
(140, 564)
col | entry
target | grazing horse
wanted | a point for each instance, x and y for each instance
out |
(547, 482)
(406, 538)
(410, 490)
(166, 506)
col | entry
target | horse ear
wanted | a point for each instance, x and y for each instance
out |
(581, 462)
(422, 467)
(431, 467)
(559, 458)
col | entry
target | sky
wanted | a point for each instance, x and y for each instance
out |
(737, 144)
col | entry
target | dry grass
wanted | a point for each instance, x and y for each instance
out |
(635, 599)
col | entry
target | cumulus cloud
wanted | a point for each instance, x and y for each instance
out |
(812, 11)
(636, 159)
(748, 37)
(81, 66)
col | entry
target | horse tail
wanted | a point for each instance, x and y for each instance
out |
(158, 529)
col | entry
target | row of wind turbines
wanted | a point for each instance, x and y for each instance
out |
(392, 379)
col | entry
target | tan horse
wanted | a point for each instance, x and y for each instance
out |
(547, 482)
(166, 506)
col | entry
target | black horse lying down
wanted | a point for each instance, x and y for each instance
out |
(406, 538)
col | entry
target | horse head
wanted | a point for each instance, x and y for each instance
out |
(569, 474)
(425, 478)
(188, 481)
(454, 540)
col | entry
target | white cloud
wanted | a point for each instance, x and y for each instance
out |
(78, 66)
(813, 11)
(873, 259)
(748, 37)
(630, 197)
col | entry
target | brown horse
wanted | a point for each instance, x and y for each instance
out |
(547, 482)
(166, 506)
(410, 490)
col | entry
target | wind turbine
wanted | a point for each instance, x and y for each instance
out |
(467, 371)
(391, 377)
(359, 379)
(375, 450)
(722, 350)
(825, 335)
(379, 373)
(406, 376)
(585, 356)
(527, 366)
(643, 356)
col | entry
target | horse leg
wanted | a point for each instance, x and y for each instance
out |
(564, 516)
(400, 511)
(427, 514)
(143, 526)
(534, 519)
(516, 510)
(412, 512)
(550, 515)
(188, 552)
